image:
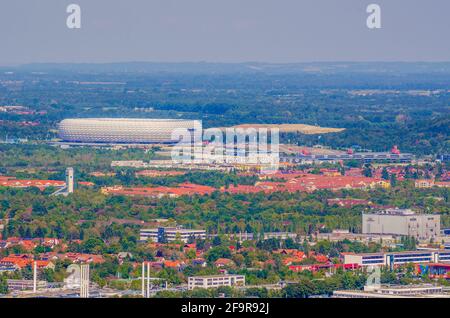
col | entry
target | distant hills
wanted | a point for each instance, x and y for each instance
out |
(245, 68)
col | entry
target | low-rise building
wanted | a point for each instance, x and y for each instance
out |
(224, 262)
(8, 268)
(40, 184)
(424, 183)
(24, 284)
(444, 184)
(215, 281)
(170, 234)
(434, 270)
(188, 189)
(347, 203)
(129, 163)
(336, 236)
(393, 291)
(397, 258)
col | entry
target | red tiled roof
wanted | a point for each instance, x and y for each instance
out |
(223, 261)
(305, 182)
(85, 258)
(158, 173)
(172, 263)
(181, 189)
(20, 260)
(86, 183)
(15, 183)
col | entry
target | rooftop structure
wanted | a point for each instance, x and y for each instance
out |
(396, 211)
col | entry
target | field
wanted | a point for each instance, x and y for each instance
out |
(293, 128)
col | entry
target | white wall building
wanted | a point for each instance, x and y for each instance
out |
(397, 258)
(170, 234)
(402, 222)
(215, 281)
(393, 291)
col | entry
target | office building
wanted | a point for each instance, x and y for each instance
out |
(397, 258)
(215, 281)
(170, 234)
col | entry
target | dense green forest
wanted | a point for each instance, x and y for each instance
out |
(89, 213)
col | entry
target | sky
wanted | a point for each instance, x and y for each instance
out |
(282, 31)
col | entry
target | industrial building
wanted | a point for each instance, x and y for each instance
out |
(170, 234)
(125, 130)
(214, 281)
(402, 222)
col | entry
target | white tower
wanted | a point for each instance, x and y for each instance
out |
(143, 279)
(34, 276)
(69, 180)
(84, 281)
(145, 287)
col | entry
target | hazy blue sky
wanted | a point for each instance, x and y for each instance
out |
(223, 31)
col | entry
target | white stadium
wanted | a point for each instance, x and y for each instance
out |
(124, 130)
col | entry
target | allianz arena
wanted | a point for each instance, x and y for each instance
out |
(124, 130)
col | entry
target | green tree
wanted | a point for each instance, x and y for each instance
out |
(303, 289)
(393, 180)
(3, 284)
(385, 174)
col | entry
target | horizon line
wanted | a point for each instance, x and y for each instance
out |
(227, 62)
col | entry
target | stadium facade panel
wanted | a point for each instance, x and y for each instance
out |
(124, 130)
